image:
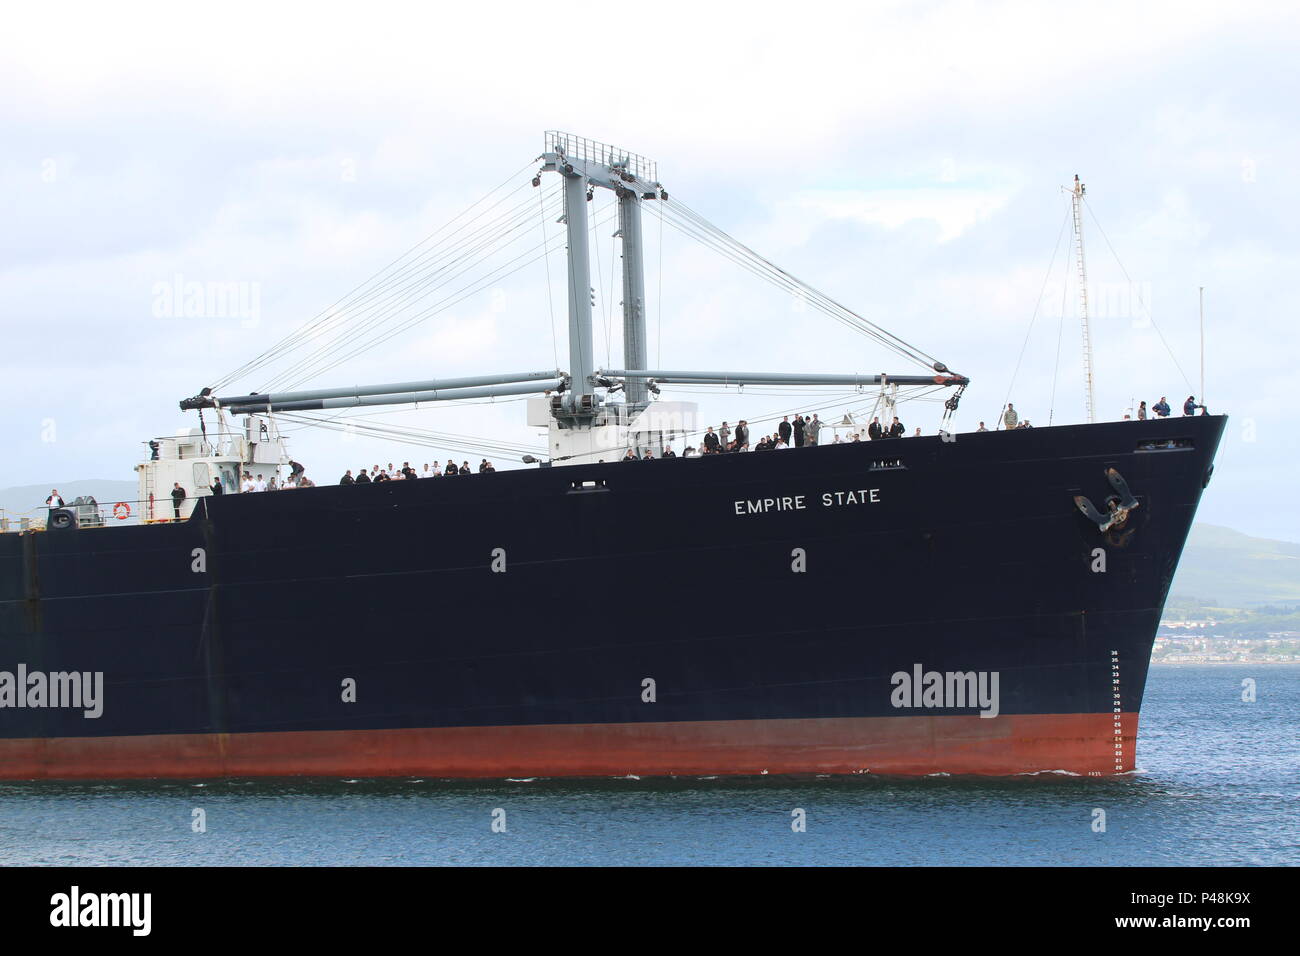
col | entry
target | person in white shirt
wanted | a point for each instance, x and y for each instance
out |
(260, 484)
(54, 500)
(247, 485)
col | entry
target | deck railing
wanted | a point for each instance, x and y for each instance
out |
(579, 147)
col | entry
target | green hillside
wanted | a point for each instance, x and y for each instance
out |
(1225, 568)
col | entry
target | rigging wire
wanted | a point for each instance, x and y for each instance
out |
(1056, 248)
(261, 360)
(1060, 332)
(455, 298)
(825, 302)
(1088, 205)
(395, 295)
(715, 239)
(423, 437)
(550, 300)
(309, 365)
(391, 302)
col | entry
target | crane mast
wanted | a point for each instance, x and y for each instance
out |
(1076, 199)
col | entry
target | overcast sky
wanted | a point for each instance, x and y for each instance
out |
(906, 159)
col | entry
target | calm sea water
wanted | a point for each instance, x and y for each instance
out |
(1217, 785)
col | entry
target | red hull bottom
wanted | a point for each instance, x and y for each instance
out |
(1085, 744)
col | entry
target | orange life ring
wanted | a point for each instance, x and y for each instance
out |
(121, 511)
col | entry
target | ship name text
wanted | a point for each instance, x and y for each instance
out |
(828, 499)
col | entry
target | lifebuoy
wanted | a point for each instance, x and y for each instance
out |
(121, 511)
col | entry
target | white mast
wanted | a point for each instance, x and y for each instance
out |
(1076, 200)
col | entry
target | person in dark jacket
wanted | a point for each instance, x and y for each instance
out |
(785, 430)
(178, 496)
(631, 456)
(217, 487)
(742, 436)
(1190, 406)
(897, 429)
(798, 431)
(1161, 408)
(711, 444)
(363, 478)
(347, 478)
(874, 431)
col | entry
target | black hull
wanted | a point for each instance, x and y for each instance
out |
(972, 558)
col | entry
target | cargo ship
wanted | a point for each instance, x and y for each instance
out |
(961, 603)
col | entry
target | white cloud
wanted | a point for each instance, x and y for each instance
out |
(906, 159)
(953, 211)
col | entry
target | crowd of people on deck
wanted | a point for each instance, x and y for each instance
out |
(257, 481)
(804, 431)
(1011, 418)
(1161, 409)
(408, 473)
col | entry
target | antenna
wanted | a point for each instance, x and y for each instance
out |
(1076, 199)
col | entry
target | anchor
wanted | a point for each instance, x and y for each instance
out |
(1117, 507)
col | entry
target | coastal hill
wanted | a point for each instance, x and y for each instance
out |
(28, 501)
(1224, 568)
